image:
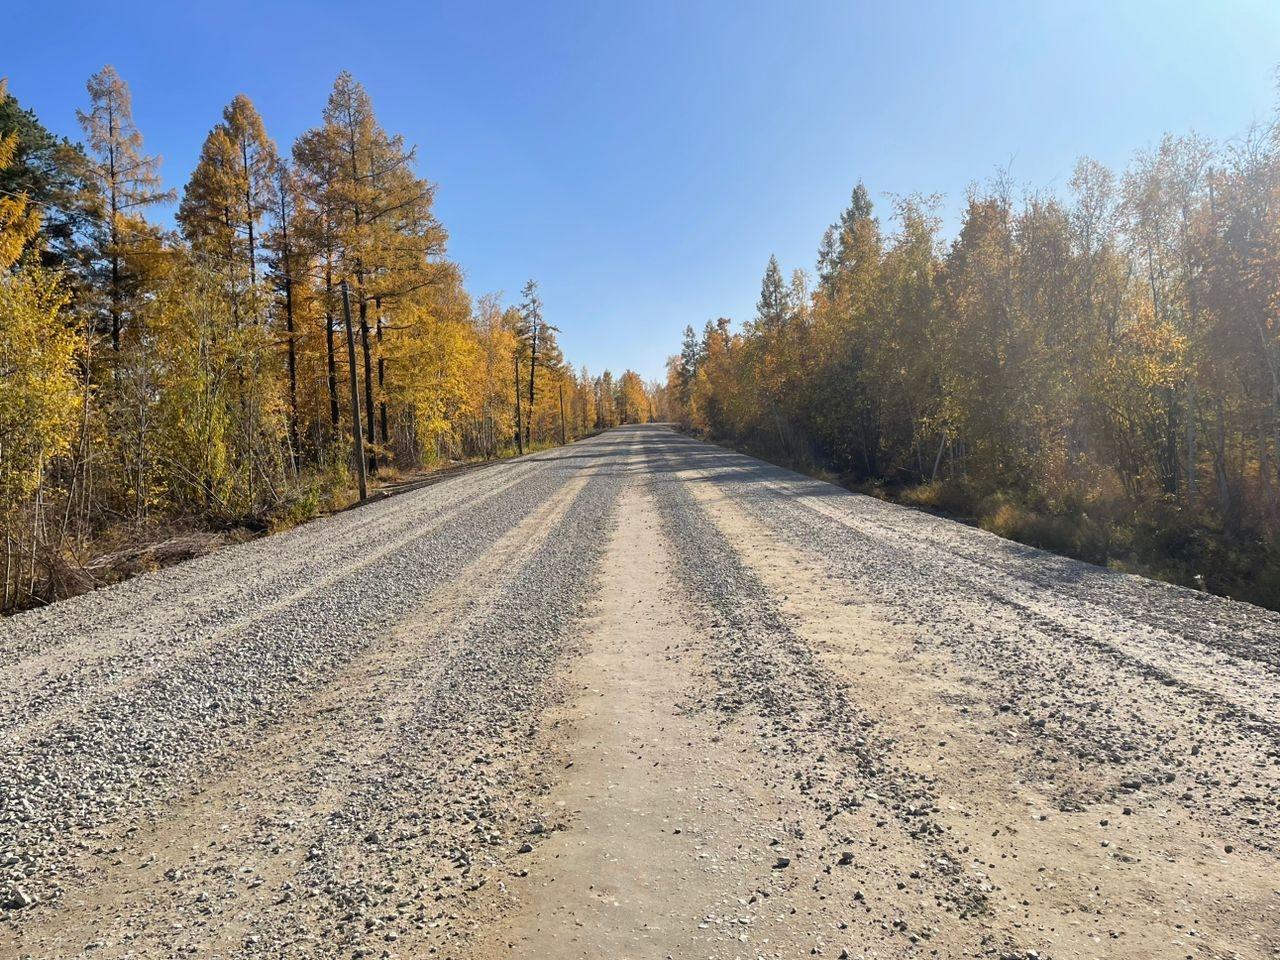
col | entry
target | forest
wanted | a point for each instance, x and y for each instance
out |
(166, 381)
(1093, 370)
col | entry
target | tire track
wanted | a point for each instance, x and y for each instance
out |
(1097, 686)
(137, 749)
(271, 804)
(45, 676)
(70, 694)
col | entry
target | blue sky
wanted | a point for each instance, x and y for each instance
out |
(642, 160)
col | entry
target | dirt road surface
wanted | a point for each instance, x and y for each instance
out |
(639, 697)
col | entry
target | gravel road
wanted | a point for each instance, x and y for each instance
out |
(639, 697)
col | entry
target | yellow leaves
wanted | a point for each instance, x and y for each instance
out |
(37, 389)
(19, 221)
(1154, 353)
(634, 400)
(440, 370)
(127, 179)
(231, 189)
(37, 382)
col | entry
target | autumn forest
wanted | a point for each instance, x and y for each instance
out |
(159, 386)
(1092, 369)
(1096, 373)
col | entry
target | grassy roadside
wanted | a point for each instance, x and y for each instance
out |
(129, 549)
(1160, 540)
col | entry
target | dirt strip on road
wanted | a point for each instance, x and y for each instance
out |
(667, 841)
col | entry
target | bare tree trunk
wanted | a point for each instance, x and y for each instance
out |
(369, 414)
(1191, 441)
(113, 213)
(248, 213)
(290, 334)
(937, 461)
(9, 600)
(357, 447)
(115, 294)
(533, 368)
(80, 465)
(36, 512)
(1220, 469)
(563, 437)
(382, 381)
(519, 419)
(335, 413)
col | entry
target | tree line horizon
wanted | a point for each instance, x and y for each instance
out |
(1097, 374)
(154, 380)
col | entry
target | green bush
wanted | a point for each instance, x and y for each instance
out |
(1073, 534)
(325, 487)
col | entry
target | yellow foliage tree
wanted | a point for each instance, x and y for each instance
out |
(19, 221)
(38, 390)
(37, 385)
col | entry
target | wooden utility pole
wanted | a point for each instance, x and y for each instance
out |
(519, 419)
(533, 369)
(357, 438)
(563, 436)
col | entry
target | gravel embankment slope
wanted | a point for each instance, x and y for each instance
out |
(643, 696)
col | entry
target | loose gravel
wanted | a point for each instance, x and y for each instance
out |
(343, 741)
(120, 704)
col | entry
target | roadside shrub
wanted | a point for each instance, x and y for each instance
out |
(325, 487)
(1074, 534)
(951, 497)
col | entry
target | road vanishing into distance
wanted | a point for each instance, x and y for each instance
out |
(639, 697)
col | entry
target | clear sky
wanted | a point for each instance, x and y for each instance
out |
(643, 159)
